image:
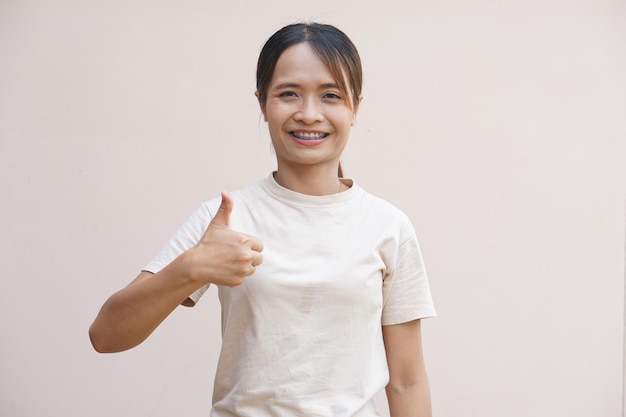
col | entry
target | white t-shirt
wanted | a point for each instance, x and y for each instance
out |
(302, 336)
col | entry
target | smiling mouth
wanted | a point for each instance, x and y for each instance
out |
(308, 135)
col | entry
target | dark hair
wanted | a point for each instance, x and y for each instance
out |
(333, 47)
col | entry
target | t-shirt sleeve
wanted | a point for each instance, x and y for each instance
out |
(184, 238)
(406, 291)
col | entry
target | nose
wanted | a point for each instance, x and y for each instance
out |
(310, 111)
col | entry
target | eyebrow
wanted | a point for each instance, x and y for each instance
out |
(294, 85)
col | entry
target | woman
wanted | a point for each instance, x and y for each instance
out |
(322, 285)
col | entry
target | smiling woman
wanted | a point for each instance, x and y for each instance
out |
(309, 118)
(322, 285)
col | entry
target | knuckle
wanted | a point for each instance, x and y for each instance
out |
(243, 255)
(244, 239)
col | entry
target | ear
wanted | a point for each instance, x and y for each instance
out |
(261, 105)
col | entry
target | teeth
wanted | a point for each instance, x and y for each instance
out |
(309, 136)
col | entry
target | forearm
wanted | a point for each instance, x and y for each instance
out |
(409, 401)
(129, 316)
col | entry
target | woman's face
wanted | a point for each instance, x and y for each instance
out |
(309, 119)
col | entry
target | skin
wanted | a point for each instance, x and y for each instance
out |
(303, 102)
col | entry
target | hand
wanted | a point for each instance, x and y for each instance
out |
(224, 256)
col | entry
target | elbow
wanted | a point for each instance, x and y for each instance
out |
(408, 383)
(101, 342)
(402, 388)
(97, 341)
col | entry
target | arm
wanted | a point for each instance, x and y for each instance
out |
(408, 391)
(222, 256)
(130, 315)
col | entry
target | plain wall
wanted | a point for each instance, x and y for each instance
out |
(498, 127)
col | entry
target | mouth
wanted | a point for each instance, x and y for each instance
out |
(308, 135)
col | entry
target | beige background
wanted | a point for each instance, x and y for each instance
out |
(499, 127)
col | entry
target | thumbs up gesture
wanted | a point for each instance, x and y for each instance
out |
(224, 256)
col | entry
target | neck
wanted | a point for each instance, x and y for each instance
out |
(310, 181)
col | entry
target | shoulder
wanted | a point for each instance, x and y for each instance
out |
(386, 212)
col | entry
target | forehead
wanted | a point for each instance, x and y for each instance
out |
(300, 63)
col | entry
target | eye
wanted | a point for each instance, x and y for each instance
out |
(332, 96)
(287, 94)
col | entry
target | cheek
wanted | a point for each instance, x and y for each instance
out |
(344, 121)
(272, 113)
(277, 116)
(274, 122)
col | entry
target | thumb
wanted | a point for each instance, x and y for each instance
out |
(222, 217)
